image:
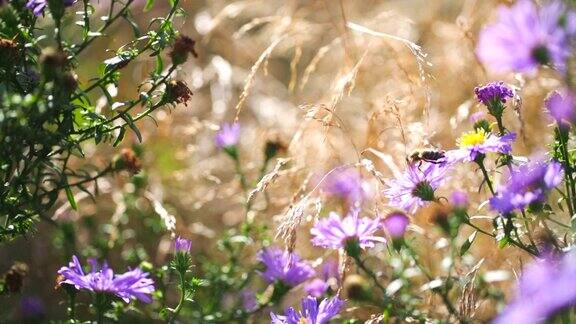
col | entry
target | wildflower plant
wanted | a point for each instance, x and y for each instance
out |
(49, 100)
(384, 236)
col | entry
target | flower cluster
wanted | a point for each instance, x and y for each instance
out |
(528, 185)
(133, 284)
(493, 92)
(284, 266)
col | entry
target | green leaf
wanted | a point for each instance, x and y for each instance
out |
(120, 137)
(149, 5)
(70, 197)
(468, 243)
(132, 126)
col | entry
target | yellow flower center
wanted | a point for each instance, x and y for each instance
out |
(302, 321)
(472, 138)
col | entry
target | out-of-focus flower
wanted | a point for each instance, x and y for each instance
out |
(311, 312)
(228, 136)
(350, 233)
(14, 277)
(546, 287)
(345, 184)
(471, 144)
(528, 184)
(284, 266)
(356, 287)
(560, 105)
(249, 302)
(415, 186)
(525, 37)
(31, 307)
(316, 287)
(128, 160)
(182, 245)
(477, 116)
(493, 93)
(330, 271)
(133, 284)
(183, 46)
(396, 223)
(38, 6)
(177, 92)
(459, 199)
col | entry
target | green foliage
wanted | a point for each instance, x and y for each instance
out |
(46, 115)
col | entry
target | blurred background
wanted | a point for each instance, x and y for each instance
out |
(331, 82)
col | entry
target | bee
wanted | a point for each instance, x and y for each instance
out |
(427, 155)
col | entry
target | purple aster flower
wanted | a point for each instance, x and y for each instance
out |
(284, 266)
(396, 223)
(493, 92)
(32, 308)
(133, 284)
(38, 6)
(228, 135)
(346, 184)
(330, 271)
(182, 245)
(249, 302)
(459, 199)
(475, 117)
(560, 105)
(334, 232)
(471, 144)
(415, 186)
(525, 37)
(528, 184)
(311, 313)
(316, 288)
(546, 287)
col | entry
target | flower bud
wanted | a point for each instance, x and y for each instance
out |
(395, 224)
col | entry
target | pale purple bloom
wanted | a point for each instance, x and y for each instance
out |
(284, 266)
(182, 245)
(493, 92)
(133, 284)
(479, 115)
(415, 186)
(395, 224)
(525, 37)
(335, 233)
(459, 199)
(228, 136)
(528, 184)
(546, 287)
(560, 105)
(316, 288)
(477, 142)
(346, 184)
(330, 270)
(249, 301)
(38, 6)
(311, 312)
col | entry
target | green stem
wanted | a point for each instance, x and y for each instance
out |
(443, 293)
(569, 180)
(182, 297)
(486, 176)
(371, 274)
